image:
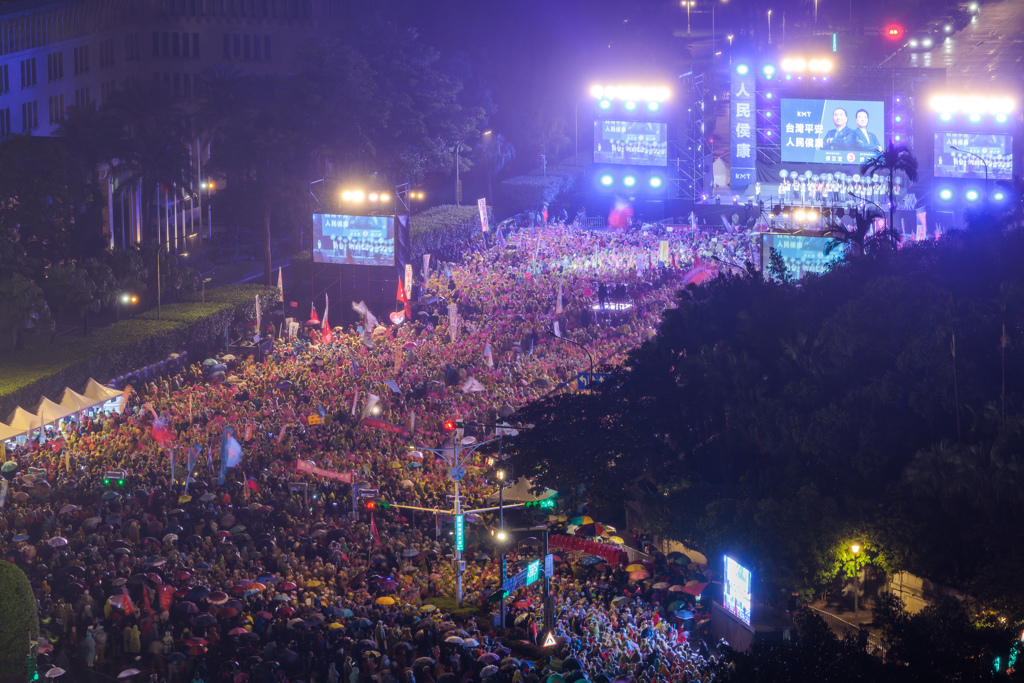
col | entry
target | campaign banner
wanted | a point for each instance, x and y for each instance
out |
(481, 205)
(309, 468)
(743, 130)
(663, 251)
(831, 131)
(408, 280)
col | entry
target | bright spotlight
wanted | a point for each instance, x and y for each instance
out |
(812, 215)
(946, 116)
(358, 196)
(927, 42)
(606, 180)
(346, 195)
(946, 195)
(596, 91)
(384, 196)
(125, 298)
(373, 196)
(630, 106)
(1001, 118)
(742, 69)
(999, 196)
(913, 42)
(655, 181)
(972, 195)
(899, 119)
(768, 70)
(629, 181)
(974, 118)
(799, 215)
(898, 138)
(653, 106)
(605, 104)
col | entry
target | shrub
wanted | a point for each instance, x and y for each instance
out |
(432, 229)
(20, 620)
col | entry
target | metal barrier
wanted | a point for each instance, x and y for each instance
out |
(635, 555)
(843, 628)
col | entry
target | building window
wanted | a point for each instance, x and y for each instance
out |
(175, 44)
(81, 97)
(106, 53)
(266, 47)
(184, 45)
(5, 122)
(28, 73)
(195, 46)
(55, 66)
(257, 48)
(5, 80)
(165, 44)
(237, 45)
(29, 115)
(81, 59)
(56, 108)
(247, 46)
(227, 45)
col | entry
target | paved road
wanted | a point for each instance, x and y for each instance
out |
(989, 51)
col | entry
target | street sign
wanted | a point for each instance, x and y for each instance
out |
(460, 532)
(585, 379)
(457, 473)
(530, 574)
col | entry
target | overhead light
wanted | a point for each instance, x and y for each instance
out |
(606, 180)
(768, 70)
(999, 196)
(604, 104)
(972, 104)
(946, 194)
(742, 69)
(946, 116)
(630, 106)
(629, 181)
(655, 181)
(972, 195)
(653, 106)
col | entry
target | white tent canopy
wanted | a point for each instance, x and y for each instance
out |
(47, 411)
(9, 432)
(98, 392)
(74, 401)
(23, 421)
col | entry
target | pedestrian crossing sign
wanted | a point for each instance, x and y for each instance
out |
(549, 640)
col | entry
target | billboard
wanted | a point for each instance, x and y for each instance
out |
(995, 150)
(354, 240)
(832, 132)
(635, 143)
(736, 596)
(742, 130)
(802, 254)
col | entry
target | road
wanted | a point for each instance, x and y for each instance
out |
(988, 51)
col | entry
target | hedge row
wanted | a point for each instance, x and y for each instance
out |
(28, 375)
(536, 189)
(438, 226)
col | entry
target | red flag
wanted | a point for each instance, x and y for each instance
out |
(373, 530)
(253, 485)
(673, 260)
(312, 313)
(326, 335)
(165, 592)
(128, 608)
(405, 300)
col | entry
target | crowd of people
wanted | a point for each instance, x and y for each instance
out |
(174, 572)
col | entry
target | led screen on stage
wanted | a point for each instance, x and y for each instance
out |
(354, 240)
(832, 131)
(636, 143)
(737, 590)
(802, 254)
(996, 150)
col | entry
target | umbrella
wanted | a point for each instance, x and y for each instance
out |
(617, 540)
(127, 673)
(428, 608)
(684, 614)
(188, 607)
(265, 615)
(410, 552)
(694, 588)
(488, 658)
(639, 575)
(621, 600)
(191, 642)
(170, 538)
(488, 671)
(454, 640)
(228, 612)
(54, 672)
(205, 620)
(676, 589)
(385, 600)
(287, 586)
(237, 632)
(661, 585)
(579, 521)
(635, 567)
(217, 598)
(183, 575)
(423, 661)
(57, 541)
(471, 642)
(64, 510)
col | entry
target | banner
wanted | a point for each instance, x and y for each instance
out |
(309, 468)
(453, 320)
(558, 304)
(663, 252)
(922, 226)
(426, 266)
(408, 281)
(743, 129)
(481, 205)
(257, 315)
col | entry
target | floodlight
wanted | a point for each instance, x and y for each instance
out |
(799, 215)
(974, 118)
(812, 215)
(630, 106)
(972, 195)
(596, 91)
(898, 138)
(653, 106)
(606, 180)
(946, 116)
(346, 195)
(946, 194)
(605, 104)
(1001, 118)
(655, 181)
(357, 195)
(629, 181)
(768, 114)
(999, 196)
(373, 196)
(384, 196)
(768, 70)
(742, 69)
(899, 119)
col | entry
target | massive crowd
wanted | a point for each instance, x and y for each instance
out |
(257, 579)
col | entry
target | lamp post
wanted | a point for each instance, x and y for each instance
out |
(730, 37)
(964, 151)
(158, 288)
(502, 475)
(573, 341)
(856, 584)
(769, 27)
(688, 4)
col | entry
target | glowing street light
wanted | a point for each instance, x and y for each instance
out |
(855, 548)
(769, 27)
(688, 4)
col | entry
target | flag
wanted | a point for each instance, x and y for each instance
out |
(404, 299)
(453, 320)
(472, 386)
(125, 395)
(258, 328)
(371, 401)
(558, 330)
(426, 266)
(280, 286)
(209, 458)
(129, 609)
(558, 303)
(312, 313)
(693, 221)
(355, 402)
(488, 355)
(230, 453)
(326, 335)
(280, 436)
(373, 530)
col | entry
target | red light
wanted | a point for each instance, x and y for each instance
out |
(371, 505)
(449, 425)
(894, 31)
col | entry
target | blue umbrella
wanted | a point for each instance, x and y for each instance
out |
(591, 560)
(684, 614)
(203, 565)
(346, 612)
(414, 465)
(19, 538)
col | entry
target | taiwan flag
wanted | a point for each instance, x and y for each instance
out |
(404, 299)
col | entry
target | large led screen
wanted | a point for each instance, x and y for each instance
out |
(737, 590)
(802, 254)
(354, 240)
(832, 131)
(963, 162)
(636, 143)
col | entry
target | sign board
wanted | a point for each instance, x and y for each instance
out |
(743, 129)
(315, 420)
(457, 473)
(460, 532)
(367, 493)
(549, 640)
(408, 280)
(481, 205)
(585, 379)
(530, 574)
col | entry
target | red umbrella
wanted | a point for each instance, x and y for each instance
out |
(191, 642)
(223, 533)
(237, 632)
(228, 613)
(217, 598)
(183, 576)
(694, 588)
(287, 586)
(155, 578)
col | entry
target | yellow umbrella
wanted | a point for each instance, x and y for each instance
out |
(616, 540)
(635, 568)
(386, 600)
(394, 464)
(333, 626)
(314, 584)
(184, 499)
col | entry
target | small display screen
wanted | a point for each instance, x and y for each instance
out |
(634, 143)
(996, 151)
(837, 132)
(355, 240)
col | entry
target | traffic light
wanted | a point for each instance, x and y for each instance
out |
(546, 504)
(112, 479)
(449, 426)
(893, 32)
(371, 505)
(32, 668)
(377, 505)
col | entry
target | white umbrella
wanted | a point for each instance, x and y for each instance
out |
(54, 672)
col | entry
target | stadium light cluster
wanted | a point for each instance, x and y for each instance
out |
(800, 65)
(973, 105)
(358, 196)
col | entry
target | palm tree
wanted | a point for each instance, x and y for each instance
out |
(858, 239)
(894, 159)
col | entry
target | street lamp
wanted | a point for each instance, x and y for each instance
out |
(573, 341)
(856, 583)
(730, 37)
(769, 27)
(688, 4)
(964, 151)
(125, 299)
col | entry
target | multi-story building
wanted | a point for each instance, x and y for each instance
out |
(68, 52)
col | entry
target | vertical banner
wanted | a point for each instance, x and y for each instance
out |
(408, 281)
(663, 256)
(922, 226)
(481, 204)
(742, 129)
(426, 267)
(453, 320)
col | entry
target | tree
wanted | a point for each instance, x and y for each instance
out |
(22, 306)
(893, 159)
(495, 152)
(20, 617)
(858, 239)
